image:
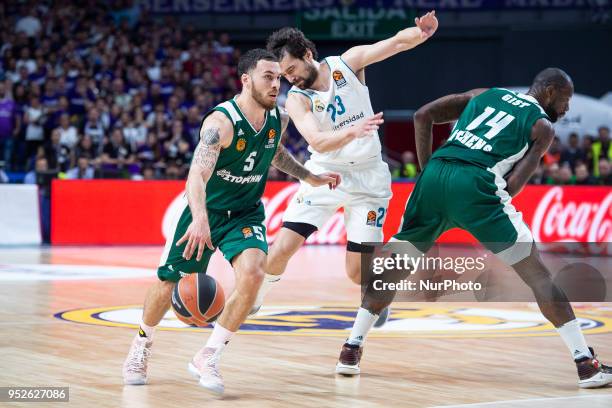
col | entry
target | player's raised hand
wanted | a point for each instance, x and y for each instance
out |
(198, 238)
(330, 178)
(368, 126)
(428, 24)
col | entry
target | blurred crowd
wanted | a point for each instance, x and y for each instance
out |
(581, 161)
(101, 90)
(94, 91)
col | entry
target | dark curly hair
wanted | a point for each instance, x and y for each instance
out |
(292, 41)
(248, 61)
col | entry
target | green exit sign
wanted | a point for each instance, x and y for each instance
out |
(354, 23)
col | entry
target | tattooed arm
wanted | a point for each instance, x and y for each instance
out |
(285, 162)
(216, 133)
(443, 110)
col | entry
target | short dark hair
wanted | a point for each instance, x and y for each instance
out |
(554, 77)
(289, 40)
(248, 61)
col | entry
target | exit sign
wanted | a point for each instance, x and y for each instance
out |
(354, 23)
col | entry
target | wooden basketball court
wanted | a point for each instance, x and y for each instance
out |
(68, 314)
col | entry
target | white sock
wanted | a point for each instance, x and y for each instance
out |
(146, 331)
(219, 337)
(572, 335)
(363, 323)
(266, 285)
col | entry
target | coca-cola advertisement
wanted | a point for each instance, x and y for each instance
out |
(125, 212)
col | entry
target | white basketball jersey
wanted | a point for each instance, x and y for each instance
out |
(346, 103)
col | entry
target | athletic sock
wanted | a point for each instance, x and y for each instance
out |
(266, 285)
(363, 323)
(572, 335)
(146, 331)
(219, 337)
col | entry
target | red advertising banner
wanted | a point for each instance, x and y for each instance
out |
(139, 212)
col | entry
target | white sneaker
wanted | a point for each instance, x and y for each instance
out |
(205, 366)
(135, 365)
(592, 373)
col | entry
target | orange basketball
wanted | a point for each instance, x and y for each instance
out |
(198, 299)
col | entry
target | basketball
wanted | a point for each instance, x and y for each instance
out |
(198, 299)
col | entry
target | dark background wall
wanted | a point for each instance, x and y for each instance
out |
(454, 62)
(461, 59)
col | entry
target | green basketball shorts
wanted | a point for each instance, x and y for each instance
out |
(232, 232)
(454, 194)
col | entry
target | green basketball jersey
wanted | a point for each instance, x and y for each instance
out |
(494, 130)
(240, 175)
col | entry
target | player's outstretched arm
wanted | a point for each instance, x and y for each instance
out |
(215, 134)
(443, 110)
(298, 107)
(361, 56)
(542, 135)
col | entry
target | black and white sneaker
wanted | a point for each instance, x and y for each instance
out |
(591, 373)
(350, 356)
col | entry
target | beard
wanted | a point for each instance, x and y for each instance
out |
(260, 98)
(311, 77)
(552, 114)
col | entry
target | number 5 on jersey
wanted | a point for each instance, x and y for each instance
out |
(249, 163)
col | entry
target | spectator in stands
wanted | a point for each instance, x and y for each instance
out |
(551, 173)
(605, 173)
(583, 178)
(553, 155)
(150, 152)
(408, 168)
(25, 61)
(83, 169)
(85, 148)
(54, 119)
(57, 154)
(40, 165)
(94, 128)
(173, 171)
(602, 148)
(135, 130)
(223, 45)
(572, 152)
(34, 117)
(9, 123)
(587, 148)
(68, 133)
(148, 173)
(192, 126)
(116, 154)
(565, 175)
(29, 24)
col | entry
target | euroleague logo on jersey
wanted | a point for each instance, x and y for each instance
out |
(339, 79)
(247, 232)
(371, 219)
(271, 138)
(413, 322)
